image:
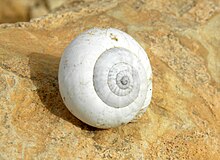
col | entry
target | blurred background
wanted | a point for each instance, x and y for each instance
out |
(23, 10)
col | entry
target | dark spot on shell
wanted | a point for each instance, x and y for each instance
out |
(113, 37)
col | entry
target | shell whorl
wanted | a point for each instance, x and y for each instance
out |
(116, 77)
(105, 78)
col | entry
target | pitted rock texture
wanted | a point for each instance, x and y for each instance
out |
(182, 39)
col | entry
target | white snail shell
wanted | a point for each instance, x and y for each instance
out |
(105, 78)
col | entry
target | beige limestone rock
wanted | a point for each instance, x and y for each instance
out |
(23, 10)
(183, 120)
(13, 11)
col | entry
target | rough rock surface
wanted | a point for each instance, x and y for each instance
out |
(182, 39)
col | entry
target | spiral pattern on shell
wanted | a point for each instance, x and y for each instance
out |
(118, 76)
(105, 78)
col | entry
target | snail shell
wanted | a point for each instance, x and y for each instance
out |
(105, 78)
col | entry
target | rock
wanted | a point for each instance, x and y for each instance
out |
(13, 11)
(55, 4)
(38, 8)
(23, 10)
(182, 41)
